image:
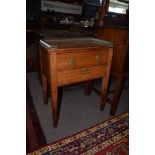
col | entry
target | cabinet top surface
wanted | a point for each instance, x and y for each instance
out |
(63, 43)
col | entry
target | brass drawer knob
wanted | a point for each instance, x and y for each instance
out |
(85, 70)
(72, 61)
(98, 58)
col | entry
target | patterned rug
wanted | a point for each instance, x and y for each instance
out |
(34, 134)
(108, 138)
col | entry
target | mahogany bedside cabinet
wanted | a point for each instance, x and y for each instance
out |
(71, 60)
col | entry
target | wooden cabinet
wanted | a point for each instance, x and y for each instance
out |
(120, 62)
(67, 61)
(120, 38)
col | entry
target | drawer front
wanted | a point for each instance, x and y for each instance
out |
(81, 59)
(81, 74)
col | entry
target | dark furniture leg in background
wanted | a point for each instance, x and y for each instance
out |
(117, 94)
(88, 88)
(119, 82)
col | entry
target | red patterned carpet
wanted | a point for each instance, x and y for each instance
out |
(34, 134)
(108, 138)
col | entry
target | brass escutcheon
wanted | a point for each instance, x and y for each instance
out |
(72, 61)
(98, 58)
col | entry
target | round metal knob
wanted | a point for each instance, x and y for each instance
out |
(85, 70)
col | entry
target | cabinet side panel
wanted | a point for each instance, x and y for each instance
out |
(44, 61)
